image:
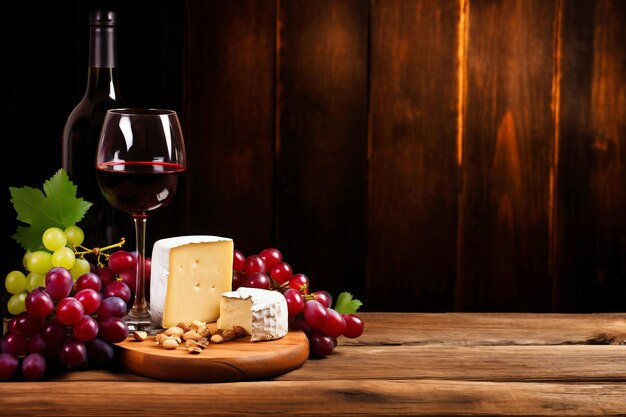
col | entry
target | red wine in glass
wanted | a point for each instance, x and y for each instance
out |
(138, 187)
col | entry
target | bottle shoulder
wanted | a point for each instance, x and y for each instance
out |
(88, 114)
(89, 107)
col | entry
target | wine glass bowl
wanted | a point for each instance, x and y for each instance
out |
(140, 156)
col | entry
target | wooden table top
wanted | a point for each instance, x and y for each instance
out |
(404, 364)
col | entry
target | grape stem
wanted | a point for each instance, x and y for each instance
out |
(285, 286)
(98, 251)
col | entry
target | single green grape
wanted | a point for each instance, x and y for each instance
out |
(17, 303)
(15, 282)
(75, 235)
(64, 257)
(34, 280)
(25, 259)
(40, 262)
(81, 266)
(54, 238)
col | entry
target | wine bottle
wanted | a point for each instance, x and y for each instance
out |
(103, 224)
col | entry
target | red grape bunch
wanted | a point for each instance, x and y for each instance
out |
(63, 320)
(311, 312)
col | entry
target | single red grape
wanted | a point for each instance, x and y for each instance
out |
(73, 352)
(254, 263)
(121, 260)
(321, 344)
(39, 303)
(14, 344)
(112, 329)
(314, 314)
(89, 280)
(8, 366)
(299, 282)
(69, 311)
(295, 301)
(118, 289)
(271, 256)
(281, 272)
(59, 283)
(33, 367)
(258, 280)
(354, 326)
(324, 297)
(90, 300)
(112, 307)
(239, 261)
(335, 323)
(86, 329)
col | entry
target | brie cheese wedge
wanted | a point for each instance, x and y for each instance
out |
(262, 313)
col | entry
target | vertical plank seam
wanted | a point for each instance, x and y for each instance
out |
(186, 110)
(276, 144)
(462, 45)
(368, 151)
(556, 107)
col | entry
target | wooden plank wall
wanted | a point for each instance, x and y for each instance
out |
(590, 235)
(507, 156)
(427, 155)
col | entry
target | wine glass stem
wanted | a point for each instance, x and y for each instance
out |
(140, 307)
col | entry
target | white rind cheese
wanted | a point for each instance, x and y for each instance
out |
(262, 313)
(189, 275)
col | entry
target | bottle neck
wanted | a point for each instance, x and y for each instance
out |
(102, 43)
(102, 75)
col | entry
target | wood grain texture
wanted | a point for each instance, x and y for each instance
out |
(413, 171)
(237, 360)
(452, 376)
(229, 119)
(507, 158)
(321, 141)
(591, 244)
(338, 397)
(505, 363)
(484, 329)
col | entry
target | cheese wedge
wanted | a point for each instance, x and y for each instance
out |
(262, 313)
(189, 276)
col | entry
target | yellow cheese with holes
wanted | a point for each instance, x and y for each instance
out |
(189, 275)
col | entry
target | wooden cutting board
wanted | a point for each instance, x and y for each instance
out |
(236, 360)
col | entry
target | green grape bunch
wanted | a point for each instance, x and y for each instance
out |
(61, 252)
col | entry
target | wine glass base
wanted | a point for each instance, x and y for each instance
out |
(141, 321)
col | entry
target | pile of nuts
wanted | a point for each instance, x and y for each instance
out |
(196, 334)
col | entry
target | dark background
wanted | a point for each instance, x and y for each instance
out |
(426, 155)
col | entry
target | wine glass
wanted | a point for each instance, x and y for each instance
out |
(139, 157)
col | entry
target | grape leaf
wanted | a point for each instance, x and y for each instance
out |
(346, 305)
(55, 206)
